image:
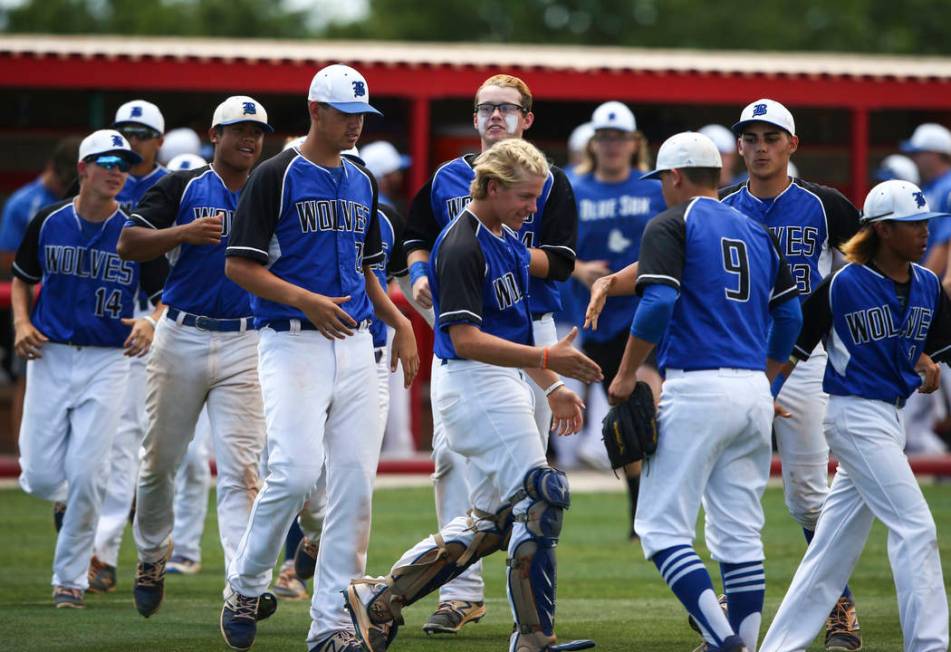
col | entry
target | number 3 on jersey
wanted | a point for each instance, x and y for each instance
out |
(736, 262)
(111, 304)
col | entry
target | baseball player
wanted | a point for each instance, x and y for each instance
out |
(74, 340)
(479, 280)
(141, 123)
(205, 347)
(190, 505)
(725, 141)
(712, 285)
(930, 149)
(503, 110)
(177, 142)
(881, 317)
(305, 237)
(809, 221)
(614, 206)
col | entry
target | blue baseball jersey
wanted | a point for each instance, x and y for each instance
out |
(479, 278)
(392, 264)
(729, 274)
(938, 193)
(611, 222)
(808, 220)
(196, 282)
(87, 289)
(136, 187)
(875, 329)
(553, 228)
(20, 209)
(313, 226)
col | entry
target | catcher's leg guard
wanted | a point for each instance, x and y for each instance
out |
(437, 560)
(531, 576)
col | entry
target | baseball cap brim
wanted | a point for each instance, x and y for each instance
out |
(127, 154)
(116, 125)
(354, 107)
(737, 129)
(265, 126)
(653, 174)
(917, 217)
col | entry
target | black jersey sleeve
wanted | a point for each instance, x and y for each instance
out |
(152, 276)
(373, 240)
(784, 287)
(421, 225)
(396, 265)
(26, 265)
(938, 344)
(460, 268)
(663, 250)
(726, 191)
(259, 209)
(842, 218)
(558, 233)
(816, 320)
(158, 208)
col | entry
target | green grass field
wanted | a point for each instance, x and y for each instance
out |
(607, 591)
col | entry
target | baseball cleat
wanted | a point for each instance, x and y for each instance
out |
(149, 589)
(179, 565)
(68, 598)
(267, 605)
(339, 641)
(238, 621)
(451, 615)
(375, 637)
(101, 576)
(305, 558)
(288, 586)
(842, 627)
(731, 644)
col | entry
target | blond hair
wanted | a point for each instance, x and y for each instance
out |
(507, 162)
(509, 81)
(861, 247)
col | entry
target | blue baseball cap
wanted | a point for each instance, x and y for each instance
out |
(343, 88)
(898, 201)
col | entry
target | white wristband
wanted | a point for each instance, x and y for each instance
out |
(151, 320)
(553, 387)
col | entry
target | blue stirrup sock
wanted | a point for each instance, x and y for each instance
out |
(688, 578)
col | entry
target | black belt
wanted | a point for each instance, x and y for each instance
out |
(284, 325)
(203, 323)
(378, 355)
(538, 316)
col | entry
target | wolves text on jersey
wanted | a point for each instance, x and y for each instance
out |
(507, 291)
(210, 211)
(455, 205)
(873, 324)
(797, 240)
(88, 263)
(332, 215)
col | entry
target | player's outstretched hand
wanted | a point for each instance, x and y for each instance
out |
(404, 351)
(599, 294)
(326, 314)
(930, 374)
(140, 339)
(421, 292)
(567, 416)
(28, 341)
(204, 230)
(621, 388)
(589, 271)
(566, 360)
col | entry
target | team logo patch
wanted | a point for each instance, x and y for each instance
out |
(612, 116)
(359, 89)
(249, 108)
(136, 112)
(117, 141)
(759, 109)
(919, 199)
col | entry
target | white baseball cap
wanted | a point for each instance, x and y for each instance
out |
(928, 137)
(343, 88)
(722, 137)
(186, 161)
(579, 138)
(900, 201)
(613, 115)
(179, 141)
(240, 108)
(107, 141)
(899, 167)
(140, 112)
(769, 111)
(381, 158)
(688, 149)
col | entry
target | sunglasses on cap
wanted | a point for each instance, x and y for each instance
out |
(110, 161)
(137, 132)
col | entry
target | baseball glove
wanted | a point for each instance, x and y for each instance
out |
(629, 430)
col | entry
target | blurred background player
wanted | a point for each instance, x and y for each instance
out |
(718, 297)
(870, 374)
(143, 125)
(186, 162)
(614, 206)
(578, 143)
(725, 141)
(502, 110)
(897, 166)
(386, 164)
(177, 142)
(205, 346)
(74, 340)
(809, 221)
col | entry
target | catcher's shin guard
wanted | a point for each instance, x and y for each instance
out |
(532, 566)
(440, 558)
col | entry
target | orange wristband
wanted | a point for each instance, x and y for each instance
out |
(545, 358)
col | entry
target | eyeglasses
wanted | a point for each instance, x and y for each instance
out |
(486, 109)
(110, 161)
(140, 133)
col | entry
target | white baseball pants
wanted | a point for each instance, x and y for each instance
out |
(74, 399)
(320, 402)
(713, 445)
(192, 482)
(874, 480)
(189, 369)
